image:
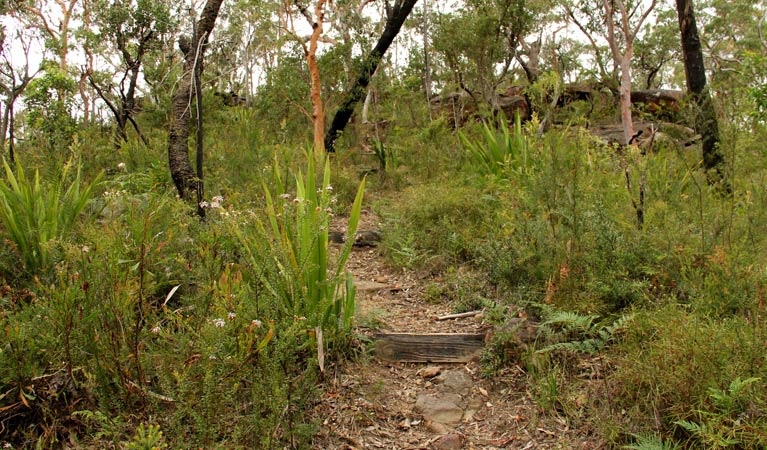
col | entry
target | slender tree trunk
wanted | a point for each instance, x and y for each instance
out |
(181, 110)
(197, 82)
(705, 115)
(426, 56)
(11, 126)
(395, 18)
(318, 113)
(625, 93)
(4, 123)
(366, 105)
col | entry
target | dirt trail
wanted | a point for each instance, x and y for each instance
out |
(372, 404)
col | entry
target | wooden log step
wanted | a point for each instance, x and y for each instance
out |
(435, 347)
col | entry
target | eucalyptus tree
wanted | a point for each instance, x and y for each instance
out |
(479, 42)
(705, 118)
(621, 21)
(54, 19)
(14, 79)
(56, 22)
(133, 28)
(187, 180)
(396, 15)
(732, 36)
(657, 50)
(246, 46)
(315, 18)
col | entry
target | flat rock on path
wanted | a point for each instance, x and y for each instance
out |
(371, 404)
(442, 408)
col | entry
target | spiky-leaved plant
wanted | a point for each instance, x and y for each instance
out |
(293, 244)
(35, 213)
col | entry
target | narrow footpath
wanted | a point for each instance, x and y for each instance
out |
(377, 404)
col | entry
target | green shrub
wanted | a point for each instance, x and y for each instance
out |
(35, 214)
(293, 247)
(500, 151)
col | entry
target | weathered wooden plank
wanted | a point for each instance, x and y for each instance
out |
(438, 347)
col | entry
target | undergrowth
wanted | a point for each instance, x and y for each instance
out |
(669, 316)
(145, 327)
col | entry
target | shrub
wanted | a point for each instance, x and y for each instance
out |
(36, 214)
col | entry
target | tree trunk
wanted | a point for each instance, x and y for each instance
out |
(4, 123)
(318, 114)
(181, 109)
(705, 115)
(366, 106)
(426, 56)
(625, 93)
(395, 18)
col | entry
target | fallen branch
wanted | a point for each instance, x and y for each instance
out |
(459, 315)
(155, 395)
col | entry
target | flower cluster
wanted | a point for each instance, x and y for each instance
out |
(115, 194)
(215, 202)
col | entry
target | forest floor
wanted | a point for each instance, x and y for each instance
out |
(374, 404)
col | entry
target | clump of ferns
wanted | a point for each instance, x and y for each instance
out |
(581, 333)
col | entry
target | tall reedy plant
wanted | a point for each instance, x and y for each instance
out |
(499, 151)
(35, 213)
(305, 280)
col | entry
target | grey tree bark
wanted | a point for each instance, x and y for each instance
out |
(181, 171)
(705, 114)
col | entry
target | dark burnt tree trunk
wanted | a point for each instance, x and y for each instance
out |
(705, 115)
(13, 92)
(181, 111)
(395, 17)
(123, 109)
(13, 88)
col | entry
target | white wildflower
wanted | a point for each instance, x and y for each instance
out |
(329, 188)
(212, 357)
(285, 196)
(214, 204)
(85, 249)
(121, 166)
(231, 315)
(218, 198)
(156, 330)
(256, 323)
(219, 323)
(204, 204)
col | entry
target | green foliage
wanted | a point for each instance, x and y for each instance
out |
(650, 442)
(443, 220)
(581, 333)
(499, 151)
(754, 68)
(35, 214)
(147, 438)
(49, 98)
(721, 426)
(305, 284)
(650, 338)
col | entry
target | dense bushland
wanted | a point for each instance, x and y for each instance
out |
(667, 319)
(127, 321)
